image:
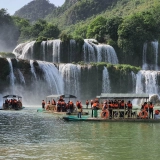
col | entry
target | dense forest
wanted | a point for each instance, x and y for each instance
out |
(124, 24)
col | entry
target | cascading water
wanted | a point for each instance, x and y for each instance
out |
(27, 52)
(155, 49)
(72, 50)
(133, 75)
(105, 81)
(147, 82)
(53, 78)
(43, 46)
(56, 51)
(12, 77)
(33, 69)
(94, 52)
(18, 50)
(71, 77)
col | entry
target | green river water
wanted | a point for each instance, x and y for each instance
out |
(30, 135)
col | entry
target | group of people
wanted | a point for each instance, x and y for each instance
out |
(62, 106)
(146, 110)
(12, 104)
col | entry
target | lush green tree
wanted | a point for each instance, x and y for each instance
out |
(50, 31)
(9, 32)
(137, 29)
(96, 29)
(112, 25)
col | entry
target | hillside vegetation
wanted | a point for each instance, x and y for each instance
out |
(36, 9)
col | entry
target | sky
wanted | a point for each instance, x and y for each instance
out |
(14, 5)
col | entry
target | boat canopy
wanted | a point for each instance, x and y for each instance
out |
(12, 96)
(123, 95)
(63, 95)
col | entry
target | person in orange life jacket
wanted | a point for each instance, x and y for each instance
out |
(71, 106)
(63, 106)
(104, 108)
(79, 109)
(43, 104)
(145, 106)
(87, 103)
(151, 110)
(95, 107)
(122, 106)
(129, 108)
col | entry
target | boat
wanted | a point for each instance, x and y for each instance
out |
(60, 113)
(114, 114)
(53, 108)
(12, 102)
(90, 119)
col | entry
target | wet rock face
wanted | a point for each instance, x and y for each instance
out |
(155, 100)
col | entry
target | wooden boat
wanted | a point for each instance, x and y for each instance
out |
(60, 113)
(12, 102)
(90, 119)
(116, 112)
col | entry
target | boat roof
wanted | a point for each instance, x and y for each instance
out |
(12, 96)
(62, 95)
(123, 95)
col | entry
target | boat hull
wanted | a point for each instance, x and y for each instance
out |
(71, 118)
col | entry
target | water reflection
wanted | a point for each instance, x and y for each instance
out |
(31, 135)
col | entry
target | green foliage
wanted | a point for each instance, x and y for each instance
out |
(96, 29)
(65, 37)
(9, 32)
(137, 29)
(40, 39)
(7, 55)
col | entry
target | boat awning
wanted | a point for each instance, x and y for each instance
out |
(63, 95)
(122, 95)
(12, 96)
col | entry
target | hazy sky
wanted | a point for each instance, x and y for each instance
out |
(14, 5)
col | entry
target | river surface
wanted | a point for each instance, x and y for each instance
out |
(30, 135)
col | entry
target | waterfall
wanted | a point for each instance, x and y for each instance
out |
(43, 46)
(21, 77)
(94, 52)
(133, 75)
(89, 52)
(72, 50)
(147, 82)
(155, 50)
(33, 69)
(17, 51)
(56, 51)
(25, 52)
(12, 76)
(144, 62)
(71, 76)
(53, 78)
(106, 81)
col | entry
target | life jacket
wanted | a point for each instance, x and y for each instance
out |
(151, 106)
(115, 105)
(129, 105)
(87, 102)
(94, 104)
(43, 102)
(78, 105)
(146, 107)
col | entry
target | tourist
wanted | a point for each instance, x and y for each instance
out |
(87, 103)
(95, 107)
(91, 103)
(71, 106)
(129, 109)
(43, 104)
(151, 110)
(79, 109)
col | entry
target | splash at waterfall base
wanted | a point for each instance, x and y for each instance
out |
(119, 114)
